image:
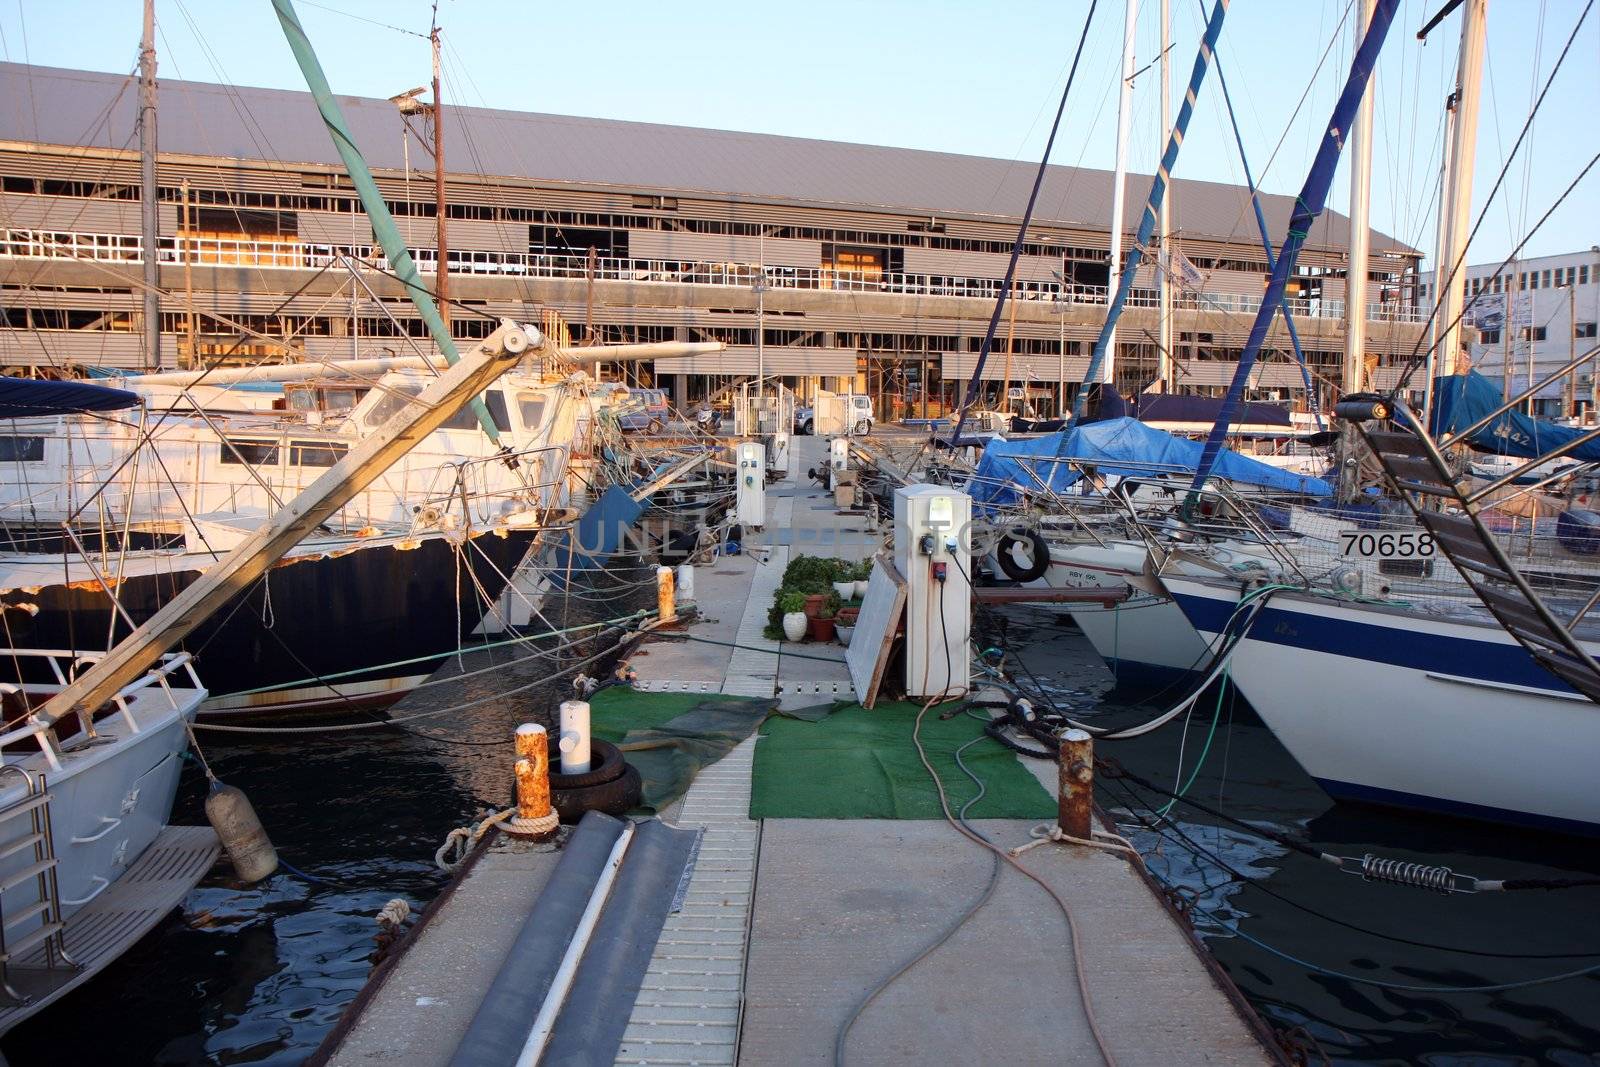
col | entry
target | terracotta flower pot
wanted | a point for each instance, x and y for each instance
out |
(821, 629)
(794, 625)
(846, 616)
(814, 602)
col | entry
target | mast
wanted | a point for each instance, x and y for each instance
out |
(442, 281)
(149, 212)
(1456, 205)
(1124, 121)
(1355, 292)
(1164, 266)
(1308, 206)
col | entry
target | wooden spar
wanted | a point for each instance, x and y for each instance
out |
(498, 353)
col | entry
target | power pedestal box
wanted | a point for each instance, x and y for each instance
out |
(750, 495)
(932, 532)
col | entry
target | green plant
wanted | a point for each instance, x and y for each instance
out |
(862, 571)
(790, 602)
(831, 606)
(784, 601)
(813, 574)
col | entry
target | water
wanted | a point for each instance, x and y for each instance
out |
(1248, 775)
(260, 974)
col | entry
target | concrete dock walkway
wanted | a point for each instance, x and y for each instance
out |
(787, 925)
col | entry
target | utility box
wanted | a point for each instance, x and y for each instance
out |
(932, 534)
(782, 459)
(839, 454)
(750, 493)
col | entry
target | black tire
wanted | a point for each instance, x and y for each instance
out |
(654, 426)
(808, 427)
(605, 765)
(617, 797)
(863, 428)
(1008, 563)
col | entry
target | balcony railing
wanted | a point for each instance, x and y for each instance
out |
(280, 254)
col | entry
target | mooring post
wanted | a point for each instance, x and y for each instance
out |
(535, 816)
(666, 596)
(1076, 800)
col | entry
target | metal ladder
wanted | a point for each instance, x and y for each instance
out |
(35, 803)
(1418, 471)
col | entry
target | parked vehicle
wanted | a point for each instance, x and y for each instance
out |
(836, 413)
(646, 409)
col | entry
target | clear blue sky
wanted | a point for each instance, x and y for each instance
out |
(975, 78)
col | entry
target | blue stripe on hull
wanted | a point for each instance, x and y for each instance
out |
(1367, 794)
(1414, 649)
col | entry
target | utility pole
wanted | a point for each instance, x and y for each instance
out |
(149, 204)
(442, 285)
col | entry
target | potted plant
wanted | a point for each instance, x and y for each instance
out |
(846, 616)
(792, 606)
(862, 573)
(822, 623)
(843, 631)
(845, 587)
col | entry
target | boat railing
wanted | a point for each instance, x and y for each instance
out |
(64, 665)
(303, 255)
(488, 489)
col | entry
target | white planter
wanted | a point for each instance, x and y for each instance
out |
(861, 587)
(844, 589)
(843, 632)
(794, 625)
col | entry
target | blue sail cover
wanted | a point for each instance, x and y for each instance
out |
(1460, 400)
(22, 398)
(1124, 447)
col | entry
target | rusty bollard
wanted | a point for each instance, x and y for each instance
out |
(535, 816)
(1076, 800)
(666, 596)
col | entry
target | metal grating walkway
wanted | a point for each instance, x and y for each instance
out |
(688, 1008)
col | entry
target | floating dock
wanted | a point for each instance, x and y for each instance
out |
(822, 866)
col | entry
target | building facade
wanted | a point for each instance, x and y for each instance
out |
(823, 263)
(1555, 304)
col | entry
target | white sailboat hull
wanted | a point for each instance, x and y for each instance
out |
(1410, 710)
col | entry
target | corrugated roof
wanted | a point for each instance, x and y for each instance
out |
(70, 107)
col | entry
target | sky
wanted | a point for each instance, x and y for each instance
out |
(974, 78)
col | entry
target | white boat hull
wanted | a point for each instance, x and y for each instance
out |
(1410, 710)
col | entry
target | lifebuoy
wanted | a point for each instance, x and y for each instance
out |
(1008, 562)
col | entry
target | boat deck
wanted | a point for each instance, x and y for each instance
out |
(786, 925)
(100, 931)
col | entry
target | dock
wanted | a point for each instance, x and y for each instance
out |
(822, 867)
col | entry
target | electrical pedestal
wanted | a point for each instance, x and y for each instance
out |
(931, 537)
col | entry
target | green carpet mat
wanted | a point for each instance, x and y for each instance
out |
(858, 764)
(670, 736)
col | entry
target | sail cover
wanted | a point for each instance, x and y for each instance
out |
(1124, 447)
(1462, 400)
(22, 398)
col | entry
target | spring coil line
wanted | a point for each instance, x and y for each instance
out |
(1399, 872)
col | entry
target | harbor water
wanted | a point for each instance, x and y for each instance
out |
(260, 974)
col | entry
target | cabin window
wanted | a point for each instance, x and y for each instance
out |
(316, 453)
(21, 449)
(256, 453)
(531, 407)
(1489, 337)
(464, 419)
(1583, 329)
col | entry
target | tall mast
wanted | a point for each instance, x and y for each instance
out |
(150, 216)
(442, 281)
(1455, 206)
(1355, 286)
(1355, 293)
(1124, 119)
(1164, 264)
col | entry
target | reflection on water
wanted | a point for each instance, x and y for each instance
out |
(259, 974)
(1314, 912)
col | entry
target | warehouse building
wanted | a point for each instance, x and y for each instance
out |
(839, 265)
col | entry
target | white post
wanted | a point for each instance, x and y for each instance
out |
(574, 737)
(1120, 179)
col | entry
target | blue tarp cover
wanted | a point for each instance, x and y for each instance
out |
(1463, 399)
(1124, 447)
(22, 398)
